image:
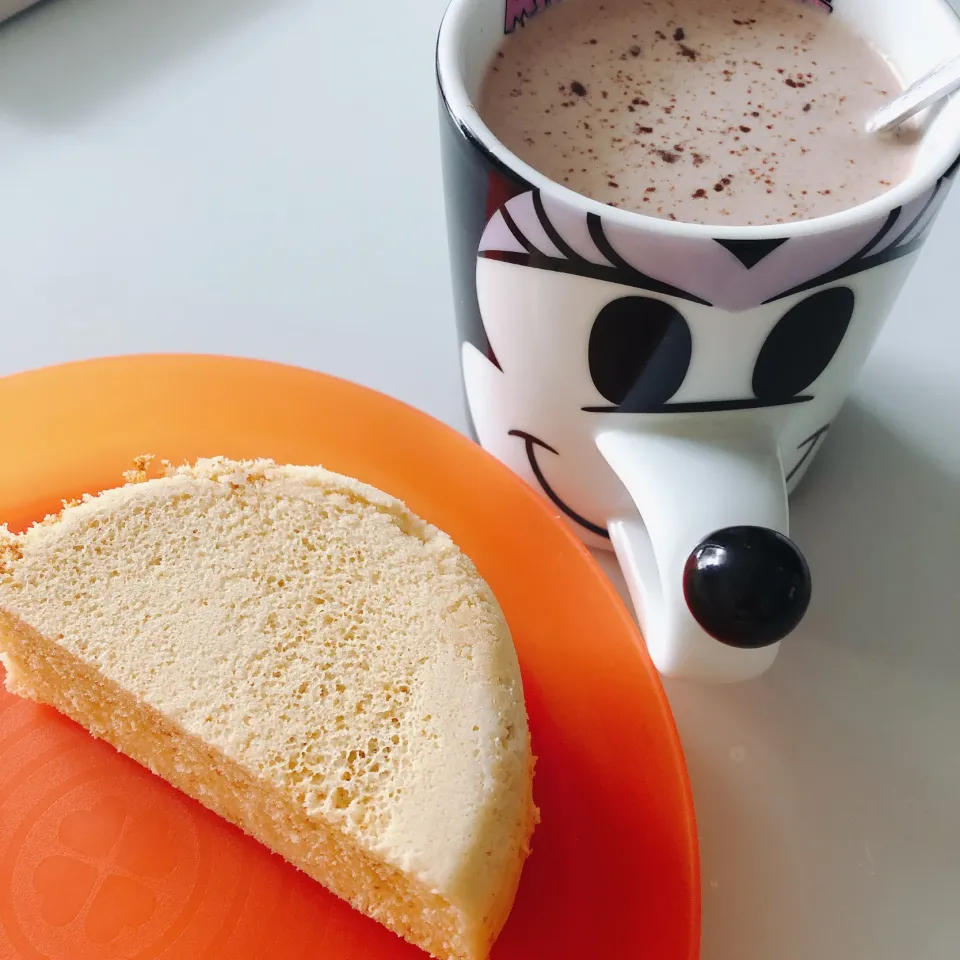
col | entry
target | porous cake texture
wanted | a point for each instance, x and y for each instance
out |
(304, 656)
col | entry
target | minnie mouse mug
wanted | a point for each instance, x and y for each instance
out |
(666, 385)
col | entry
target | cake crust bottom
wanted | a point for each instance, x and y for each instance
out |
(43, 671)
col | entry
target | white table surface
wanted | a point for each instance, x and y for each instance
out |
(261, 177)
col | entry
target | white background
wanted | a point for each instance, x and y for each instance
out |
(261, 177)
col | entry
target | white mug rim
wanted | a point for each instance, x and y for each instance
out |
(458, 104)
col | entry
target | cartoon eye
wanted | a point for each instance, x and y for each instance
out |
(798, 349)
(639, 352)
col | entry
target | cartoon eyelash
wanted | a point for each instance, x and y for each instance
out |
(528, 231)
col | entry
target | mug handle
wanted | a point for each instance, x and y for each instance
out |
(714, 579)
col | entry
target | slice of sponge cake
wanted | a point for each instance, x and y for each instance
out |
(307, 658)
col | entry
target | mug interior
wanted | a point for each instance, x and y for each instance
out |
(914, 36)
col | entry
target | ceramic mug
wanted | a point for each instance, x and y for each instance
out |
(666, 385)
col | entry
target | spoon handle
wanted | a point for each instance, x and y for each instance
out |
(940, 82)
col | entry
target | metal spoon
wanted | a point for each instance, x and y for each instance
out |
(940, 82)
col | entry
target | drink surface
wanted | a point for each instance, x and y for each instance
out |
(731, 112)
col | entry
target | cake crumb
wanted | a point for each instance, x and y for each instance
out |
(140, 471)
(10, 551)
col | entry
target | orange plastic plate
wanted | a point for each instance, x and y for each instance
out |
(100, 860)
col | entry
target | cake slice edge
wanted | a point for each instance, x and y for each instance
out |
(39, 669)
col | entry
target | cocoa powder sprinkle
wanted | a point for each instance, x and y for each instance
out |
(698, 98)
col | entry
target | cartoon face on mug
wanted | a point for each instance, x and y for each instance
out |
(586, 322)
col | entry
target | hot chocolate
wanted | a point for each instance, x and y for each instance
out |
(706, 111)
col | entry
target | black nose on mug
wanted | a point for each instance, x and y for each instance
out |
(747, 586)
